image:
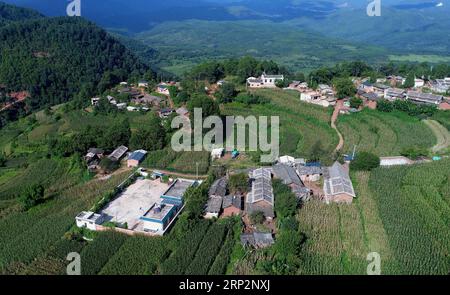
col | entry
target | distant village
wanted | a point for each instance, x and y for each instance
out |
(389, 88)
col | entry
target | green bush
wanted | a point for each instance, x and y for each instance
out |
(365, 162)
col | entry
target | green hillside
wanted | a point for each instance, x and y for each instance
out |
(10, 13)
(187, 42)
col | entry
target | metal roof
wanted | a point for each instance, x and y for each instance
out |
(118, 153)
(137, 155)
(261, 187)
(338, 181)
(219, 187)
(287, 174)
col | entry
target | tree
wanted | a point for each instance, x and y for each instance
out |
(285, 205)
(209, 107)
(238, 183)
(115, 135)
(356, 102)
(385, 106)
(150, 137)
(316, 152)
(2, 160)
(409, 81)
(344, 87)
(108, 165)
(365, 161)
(32, 196)
(414, 152)
(227, 92)
(257, 217)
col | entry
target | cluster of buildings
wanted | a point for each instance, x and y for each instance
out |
(295, 173)
(154, 221)
(376, 91)
(440, 85)
(264, 81)
(158, 218)
(324, 95)
(140, 100)
(95, 155)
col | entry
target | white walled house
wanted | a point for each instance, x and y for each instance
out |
(265, 81)
(418, 83)
(89, 220)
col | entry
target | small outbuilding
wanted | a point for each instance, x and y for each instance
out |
(89, 220)
(257, 240)
(136, 158)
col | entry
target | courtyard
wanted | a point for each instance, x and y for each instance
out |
(134, 202)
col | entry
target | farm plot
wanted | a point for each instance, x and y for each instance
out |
(413, 203)
(302, 125)
(384, 134)
(27, 236)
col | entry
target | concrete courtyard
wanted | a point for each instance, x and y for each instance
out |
(129, 206)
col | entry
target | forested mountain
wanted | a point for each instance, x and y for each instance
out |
(54, 59)
(10, 13)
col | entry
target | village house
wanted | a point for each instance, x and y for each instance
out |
(441, 85)
(93, 158)
(231, 205)
(366, 87)
(325, 90)
(288, 175)
(418, 83)
(143, 84)
(136, 158)
(163, 88)
(317, 98)
(309, 173)
(338, 187)
(257, 240)
(265, 81)
(95, 101)
(121, 106)
(393, 94)
(379, 89)
(396, 80)
(217, 153)
(216, 193)
(424, 98)
(89, 220)
(261, 197)
(165, 113)
(147, 100)
(158, 217)
(118, 153)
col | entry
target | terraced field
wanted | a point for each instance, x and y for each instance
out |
(301, 125)
(385, 134)
(400, 213)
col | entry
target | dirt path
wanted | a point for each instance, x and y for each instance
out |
(182, 175)
(442, 135)
(337, 109)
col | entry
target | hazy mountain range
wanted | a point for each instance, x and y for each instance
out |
(188, 30)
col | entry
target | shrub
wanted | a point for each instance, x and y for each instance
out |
(238, 183)
(257, 217)
(365, 162)
(414, 152)
(32, 196)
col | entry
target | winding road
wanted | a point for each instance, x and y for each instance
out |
(337, 109)
(442, 135)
